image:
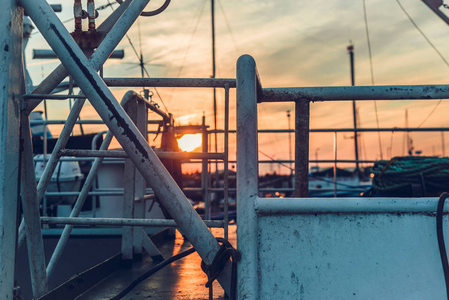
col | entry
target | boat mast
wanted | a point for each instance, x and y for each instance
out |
(354, 110)
(212, 5)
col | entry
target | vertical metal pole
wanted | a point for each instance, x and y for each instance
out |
(205, 170)
(31, 214)
(11, 22)
(144, 158)
(290, 181)
(129, 192)
(45, 150)
(247, 178)
(354, 109)
(335, 164)
(140, 184)
(302, 112)
(226, 164)
(442, 143)
(212, 6)
(128, 207)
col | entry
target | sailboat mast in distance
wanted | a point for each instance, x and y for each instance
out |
(354, 110)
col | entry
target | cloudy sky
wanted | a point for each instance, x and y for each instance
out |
(294, 43)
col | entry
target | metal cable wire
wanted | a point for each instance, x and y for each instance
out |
(228, 26)
(422, 33)
(433, 110)
(372, 75)
(140, 60)
(431, 44)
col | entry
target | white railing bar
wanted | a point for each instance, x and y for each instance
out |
(276, 206)
(122, 154)
(121, 222)
(389, 92)
(171, 82)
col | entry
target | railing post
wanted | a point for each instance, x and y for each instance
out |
(140, 184)
(204, 169)
(128, 234)
(247, 177)
(11, 20)
(335, 164)
(302, 112)
(226, 165)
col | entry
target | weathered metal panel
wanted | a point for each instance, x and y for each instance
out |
(299, 248)
(11, 20)
(349, 256)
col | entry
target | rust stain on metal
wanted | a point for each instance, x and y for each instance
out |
(115, 114)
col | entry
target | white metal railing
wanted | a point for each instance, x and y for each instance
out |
(100, 154)
(330, 247)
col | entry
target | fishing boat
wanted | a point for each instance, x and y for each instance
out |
(295, 247)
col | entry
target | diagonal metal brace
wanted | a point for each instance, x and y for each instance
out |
(125, 131)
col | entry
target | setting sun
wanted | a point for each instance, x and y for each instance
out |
(189, 142)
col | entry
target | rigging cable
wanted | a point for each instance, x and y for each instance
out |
(180, 46)
(152, 13)
(433, 47)
(198, 17)
(372, 74)
(422, 33)
(228, 26)
(271, 158)
(433, 110)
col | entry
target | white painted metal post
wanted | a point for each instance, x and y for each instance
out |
(226, 165)
(11, 20)
(31, 215)
(128, 207)
(335, 164)
(129, 179)
(140, 183)
(204, 166)
(247, 177)
(126, 133)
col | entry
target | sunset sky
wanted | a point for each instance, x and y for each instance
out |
(294, 43)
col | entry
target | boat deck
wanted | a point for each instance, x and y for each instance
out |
(182, 279)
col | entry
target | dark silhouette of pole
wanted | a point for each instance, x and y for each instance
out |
(212, 5)
(354, 109)
(302, 115)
